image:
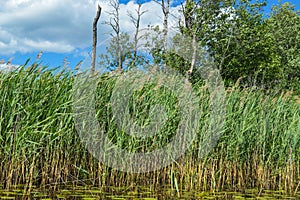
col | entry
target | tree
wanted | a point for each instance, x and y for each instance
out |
(248, 55)
(95, 38)
(122, 52)
(119, 53)
(137, 37)
(284, 27)
(201, 21)
(233, 32)
(114, 23)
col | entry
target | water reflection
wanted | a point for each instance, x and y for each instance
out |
(91, 193)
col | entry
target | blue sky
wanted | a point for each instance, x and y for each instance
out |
(62, 29)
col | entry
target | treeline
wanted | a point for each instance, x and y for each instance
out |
(246, 45)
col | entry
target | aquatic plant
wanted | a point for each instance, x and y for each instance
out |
(39, 145)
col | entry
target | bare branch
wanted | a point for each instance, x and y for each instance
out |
(114, 23)
(136, 22)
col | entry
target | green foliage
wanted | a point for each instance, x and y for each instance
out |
(39, 144)
(248, 55)
(110, 59)
(245, 46)
(284, 28)
(38, 139)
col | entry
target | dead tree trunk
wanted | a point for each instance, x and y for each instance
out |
(194, 58)
(136, 22)
(166, 10)
(165, 6)
(95, 39)
(114, 23)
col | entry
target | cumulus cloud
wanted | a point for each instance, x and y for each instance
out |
(62, 26)
(7, 67)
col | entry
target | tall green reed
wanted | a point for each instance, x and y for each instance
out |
(259, 146)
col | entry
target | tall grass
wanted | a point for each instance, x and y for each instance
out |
(39, 145)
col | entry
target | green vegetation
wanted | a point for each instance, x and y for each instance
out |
(259, 148)
(257, 50)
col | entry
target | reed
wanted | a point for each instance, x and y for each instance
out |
(259, 147)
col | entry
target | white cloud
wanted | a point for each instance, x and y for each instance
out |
(48, 46)
(61, 26)
(7, 67)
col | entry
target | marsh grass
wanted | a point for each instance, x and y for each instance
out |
(259, 147)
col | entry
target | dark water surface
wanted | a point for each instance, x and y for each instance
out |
(91, 193)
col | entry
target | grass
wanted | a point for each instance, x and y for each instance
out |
(39, 145)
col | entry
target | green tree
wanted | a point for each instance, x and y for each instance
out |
(233, 32)
(283, 27)
(200, 18)
(245, 51)
(118, 53)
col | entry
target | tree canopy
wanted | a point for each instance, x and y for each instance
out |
(246, 46)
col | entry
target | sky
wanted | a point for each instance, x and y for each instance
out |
(62, 30)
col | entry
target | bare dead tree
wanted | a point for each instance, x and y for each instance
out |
(136, 22)
(166, 10)
(95, 38)
(165, 6)
(114, 23)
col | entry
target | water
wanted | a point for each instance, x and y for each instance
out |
(91, 193)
